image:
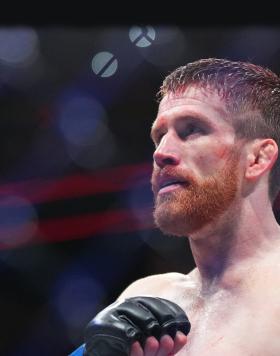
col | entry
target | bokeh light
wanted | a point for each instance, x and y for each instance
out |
(104, 64)
(82, 122)
(142, 36)
(168, 47)
(76, 296)
(73, 102)
(18, 221)
(18, 46)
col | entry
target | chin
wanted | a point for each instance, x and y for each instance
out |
(172, 223)
(179, 218)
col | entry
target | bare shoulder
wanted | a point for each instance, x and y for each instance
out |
(160, 285)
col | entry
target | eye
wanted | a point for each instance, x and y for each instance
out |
(189, 130)
(157, 138)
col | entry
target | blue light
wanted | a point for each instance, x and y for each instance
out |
(18, 46)
(79, 118)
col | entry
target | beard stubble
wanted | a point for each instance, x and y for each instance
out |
(192, 206)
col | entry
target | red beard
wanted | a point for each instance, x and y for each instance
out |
(194, 205)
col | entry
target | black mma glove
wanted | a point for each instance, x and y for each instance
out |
(114, 329)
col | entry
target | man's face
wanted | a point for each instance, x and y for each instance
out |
(195, 174)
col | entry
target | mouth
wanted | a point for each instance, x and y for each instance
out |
(168, 185)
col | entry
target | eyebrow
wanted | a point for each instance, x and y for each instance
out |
(198, 119)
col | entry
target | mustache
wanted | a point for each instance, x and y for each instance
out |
(172, 172)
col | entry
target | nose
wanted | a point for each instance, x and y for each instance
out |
(166, 153)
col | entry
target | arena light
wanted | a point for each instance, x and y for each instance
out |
(18, 46)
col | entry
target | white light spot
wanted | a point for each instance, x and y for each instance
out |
(142, 36)
(104, 64)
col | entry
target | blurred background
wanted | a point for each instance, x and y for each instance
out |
(76, 107)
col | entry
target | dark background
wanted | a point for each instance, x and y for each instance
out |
(75, 164)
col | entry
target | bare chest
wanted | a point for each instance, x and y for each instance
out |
(248, 327)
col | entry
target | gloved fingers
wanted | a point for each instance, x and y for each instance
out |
(160, 308)
(172, 326)
(141, 317)
(170, 316)
(152, 322)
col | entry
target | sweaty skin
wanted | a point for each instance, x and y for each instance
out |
(224, 323)
(232, 297)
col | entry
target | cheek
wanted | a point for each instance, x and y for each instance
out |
(221, 152)
(213, 158)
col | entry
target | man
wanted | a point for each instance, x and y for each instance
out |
(216, 174)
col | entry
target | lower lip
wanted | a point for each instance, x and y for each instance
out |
(169, 188)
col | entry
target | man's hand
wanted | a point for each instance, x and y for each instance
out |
(165, 347)
(139, 326)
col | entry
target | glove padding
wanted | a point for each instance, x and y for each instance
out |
(114, 329)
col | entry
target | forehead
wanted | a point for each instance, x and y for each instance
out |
(196, 102)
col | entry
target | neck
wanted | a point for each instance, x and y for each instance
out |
(227, 253)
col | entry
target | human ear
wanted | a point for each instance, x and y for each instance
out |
(261, 157)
